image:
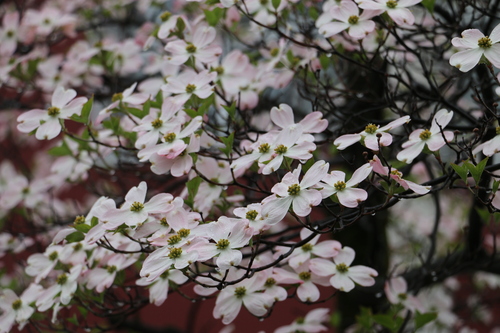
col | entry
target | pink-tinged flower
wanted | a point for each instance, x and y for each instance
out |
(100, 278)
(311, 323)
(299, 194)
(158, 291)
(343, 276)
(200, 48)
(348, 196)
(397, 176)
(307, 291)
(432, 138)
(369, 135)
(48, 122)
(190, 83)
(17, 309)
(284, 118)
(348, 17)
(489, 147)
(65, 286)
(247, 293)
(396, 291)
(135, 210)
(40, 265)
(396, 9)
(476, 44)
(127, 97)
(178, 166)
(9, 33)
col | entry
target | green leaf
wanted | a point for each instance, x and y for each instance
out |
(386, 320)
(228, 142)
(76, 236)
(476, 170)
(94, 221)
(137, 112)
(461, 171)
(494, 188)
(85, 113)
(62, 150)
(214, 16)
(82, 227)
(192, 187)
(231, 110)
(422, 319)
(276, 3)
(429, 5)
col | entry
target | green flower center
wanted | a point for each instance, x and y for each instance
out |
(219, 70)
(157, 123)
(16, 305)
(340, 185)
(184, 233)
(281, 149)
(111, 269)
(165, 275)
(264, 148)
(305, 276)
(353, 19)
(222, 244)
(425, 135)
(79, 220)
(53, 111)
(497, 130)
(274, 52)
(294, 189)
(174, 239)
(402, 296)
(117, 97)
(240, 292)
(307, 247)
(342, 268)
(371, 128)
(391, 4)
(62, 279)
(175, 253)
(251, 215)
(190, 88)
(136, 207)
(170, 137)
(77, 246)
(164, 222)
(191, 48)
(270, 282)
(165, 16)
(396, 173)
(484, 42)
(53, 256)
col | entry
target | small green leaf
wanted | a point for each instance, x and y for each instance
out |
(386, 320)
(94, 221)
(82, 227)
(136, 112)
(214, 16)
(495, 186)
(228, 142)
(422, 319)
(476, 170)
(276, 3)
(231, 110)
(461, 171)
(192, 187)
(62, 150)
(76, 236)
(429, 5)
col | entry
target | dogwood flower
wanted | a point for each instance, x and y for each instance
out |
(489, 147)
(476, 44)
(396, 9)
(334, 183)
(370, 136)
(48, 122)
(343, 275)
(432, 138)
(158, 291)
(396, 291)
(17, 309)
(310, 323)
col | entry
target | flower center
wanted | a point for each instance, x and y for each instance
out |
(484, 42)
(294, 189)
(264, 148)
(340, 185)
(353, 19)
(391, 4)
(190, 88)
(240, 292)
(62, 279)
(191, 48)
(157, 123)
(305, 276)
(222, 244)
(425, 135)
(342, 268)
(183, 232)
(53, 111)
(175, 253)
(53, 256)
(136, 207)
(170, 137)
(281, 149)
(79, 219)
(402, 296)
(117, 97)
(174, 239)
(16, 305)
(111, 269)
(270, 282)
(164, 222)
(251, 215)
(497, 130)
(371, 128)
(307, 247)
(396, 173)
(165, 16)
(219, 70)
(77, 247)
(274, 52)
